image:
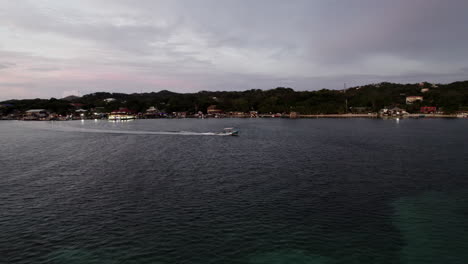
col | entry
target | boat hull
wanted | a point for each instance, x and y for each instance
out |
(121, 117)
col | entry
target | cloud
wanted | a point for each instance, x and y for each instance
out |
(44, 69)
(120, 45)
(6, 65)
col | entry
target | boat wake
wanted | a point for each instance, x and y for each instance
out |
(133, 132)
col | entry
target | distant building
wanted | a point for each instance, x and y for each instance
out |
(77, 105)
(109, 100)
(428, 109)
(253, 114)
(179, 114)
(98, 112)
(293, 115)
(412, 99)
(424, 90)
(36, 114)
(395, 111)
(81, 112)
(199, 114)
(237, 114)
(152, 112)
(36, 111)
(213, 110)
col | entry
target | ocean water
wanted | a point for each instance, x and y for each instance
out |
(320, 191)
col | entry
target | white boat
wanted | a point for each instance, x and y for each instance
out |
(122, 114)
(229, 131)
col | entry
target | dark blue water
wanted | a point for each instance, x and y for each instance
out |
(285, 191)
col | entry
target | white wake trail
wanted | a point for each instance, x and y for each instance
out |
(132, 132)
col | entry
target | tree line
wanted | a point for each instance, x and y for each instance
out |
(373, 97)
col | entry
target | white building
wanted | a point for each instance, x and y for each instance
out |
(108, 100)
(412, 99)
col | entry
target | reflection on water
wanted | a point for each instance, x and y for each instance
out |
(434, 227)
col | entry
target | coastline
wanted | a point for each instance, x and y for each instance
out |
(268, 116)
(377, 116)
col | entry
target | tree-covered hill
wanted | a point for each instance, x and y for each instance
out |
(448, 97)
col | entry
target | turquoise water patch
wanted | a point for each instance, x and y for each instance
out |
(290, 256)
(96, 256)
(434, 227)
(75, 256)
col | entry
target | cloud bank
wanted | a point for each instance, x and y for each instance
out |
(49, 48)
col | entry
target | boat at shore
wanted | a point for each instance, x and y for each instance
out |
(122, 114)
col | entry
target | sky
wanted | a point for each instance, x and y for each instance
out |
(56, 48)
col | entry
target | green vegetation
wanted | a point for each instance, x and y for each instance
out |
(369, 98)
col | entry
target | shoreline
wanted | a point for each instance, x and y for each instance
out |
(382, 117)
(415, 116)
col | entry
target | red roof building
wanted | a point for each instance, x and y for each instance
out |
(77, 105)
(428, 109)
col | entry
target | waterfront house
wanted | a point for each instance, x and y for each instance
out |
(36, 114)
(412, 99)
(80, 113)
(152, 112)
(179, 114)
(395, 111)
(398, 111)
(13, 115)
(213, 110)
(237, 114)
(98, 112)
(293, 115)
(199, 114)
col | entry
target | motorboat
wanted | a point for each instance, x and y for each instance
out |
(229, 131)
